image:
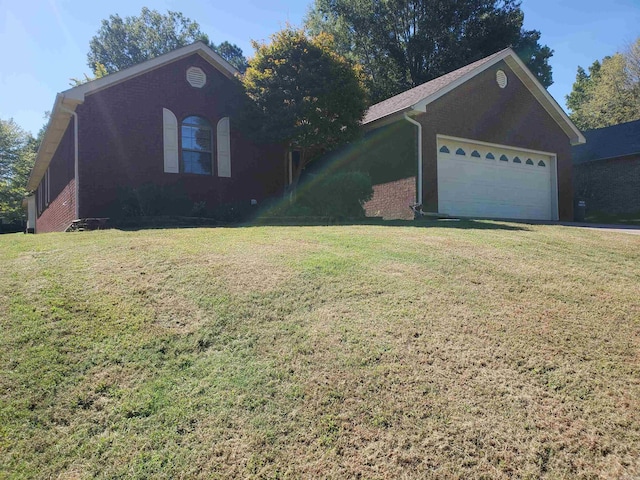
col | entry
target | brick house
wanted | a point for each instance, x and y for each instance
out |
(168, 121)
(486, 140)
(607, 169)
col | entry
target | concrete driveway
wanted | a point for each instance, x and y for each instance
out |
(631, 229)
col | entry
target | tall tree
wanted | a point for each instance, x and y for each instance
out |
(609, 93)
(17, 154)
(121, 43)
(304, 95)
(404, 43)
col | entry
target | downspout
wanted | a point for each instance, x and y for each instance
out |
(75, 158)
(419, 125)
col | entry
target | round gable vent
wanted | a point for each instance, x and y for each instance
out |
(501, 78)
(196, 77)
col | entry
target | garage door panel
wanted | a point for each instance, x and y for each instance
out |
(477, 186)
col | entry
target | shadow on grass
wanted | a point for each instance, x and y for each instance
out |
(463, 224)
(159, 223)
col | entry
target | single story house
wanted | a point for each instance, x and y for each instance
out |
(486, 140)
(607, 169)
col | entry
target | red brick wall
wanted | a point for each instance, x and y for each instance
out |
(391, 200)
(609, 186)
(121, 140)
(61, 211)
(480, 110)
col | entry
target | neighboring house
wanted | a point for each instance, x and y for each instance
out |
(486, 140)
(167, 122)
(607, 169)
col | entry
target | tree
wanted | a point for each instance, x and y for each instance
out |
(121, 43)
(17, 154)
(99, 71)
(609, 93)
(303, 95)
(404, 43)
(232, 54)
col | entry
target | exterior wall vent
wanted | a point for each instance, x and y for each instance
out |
(196, 77)
(501, 78)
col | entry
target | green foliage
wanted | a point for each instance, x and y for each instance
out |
(339, 196)
(17, 154)
(304, 94)
(609, 93)
(99, 71)
(151, 200)
(401, 44)
(121, 43)
(232, 54)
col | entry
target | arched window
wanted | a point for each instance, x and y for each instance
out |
(475, 153)
(197, 146)
(517, 160)
(460, 152)
(529, 161)
(504, 158)
(444, 149)
(541, 164)
(490, 156)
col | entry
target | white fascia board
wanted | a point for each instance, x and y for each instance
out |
(71, 98)
(57, 126)
(386, 120)
(547, 101)
(422, 104)
(529, 81)
(78, 93)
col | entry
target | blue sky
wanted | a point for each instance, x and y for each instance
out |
(43, 43)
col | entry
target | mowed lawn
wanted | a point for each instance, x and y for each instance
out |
(460, 350)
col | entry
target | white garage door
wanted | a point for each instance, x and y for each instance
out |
(495, 181)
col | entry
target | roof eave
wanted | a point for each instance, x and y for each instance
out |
(386, 120)
(68, 100)
(56, 127)
(545, 99)
(78, 93)
(530, 82)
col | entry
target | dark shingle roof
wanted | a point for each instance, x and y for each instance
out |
(406, 99)
(609, 142)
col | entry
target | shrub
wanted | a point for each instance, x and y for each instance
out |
(152, 200)
(341, 195)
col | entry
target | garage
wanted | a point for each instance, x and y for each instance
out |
(491, 143)
(477, 179)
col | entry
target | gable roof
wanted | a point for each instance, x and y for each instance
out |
(408, 99)
(418, 98)
(609, 142)
(67, 101)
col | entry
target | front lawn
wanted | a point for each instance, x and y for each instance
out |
(469, 350)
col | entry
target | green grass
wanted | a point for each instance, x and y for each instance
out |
(470, 350)
(620, 219)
